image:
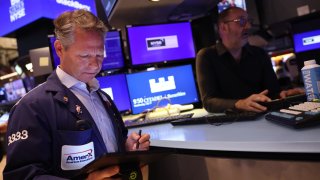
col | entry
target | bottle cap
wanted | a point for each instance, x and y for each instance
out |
(310, 62)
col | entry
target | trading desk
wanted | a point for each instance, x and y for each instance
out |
(249, 136)
(257, 139)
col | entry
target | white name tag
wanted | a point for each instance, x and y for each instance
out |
(76, 157)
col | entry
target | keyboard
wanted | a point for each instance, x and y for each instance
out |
(218, 118)
(298, 116)
(285, 102)
(147, 122)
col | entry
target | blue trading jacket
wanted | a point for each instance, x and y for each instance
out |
(47, 119)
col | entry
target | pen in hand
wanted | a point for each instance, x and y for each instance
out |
(138, 144)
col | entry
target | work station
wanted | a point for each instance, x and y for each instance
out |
(152, 71)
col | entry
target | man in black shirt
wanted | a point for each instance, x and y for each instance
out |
(234, 74)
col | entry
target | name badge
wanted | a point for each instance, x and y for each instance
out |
(76, 157)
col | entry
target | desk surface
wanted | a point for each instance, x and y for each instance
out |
(251, 136)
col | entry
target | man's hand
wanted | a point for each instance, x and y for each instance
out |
(104, 173)
(251, 102)
(291, 92)
(144, 142)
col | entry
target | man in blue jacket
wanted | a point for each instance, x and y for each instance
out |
(67, 122)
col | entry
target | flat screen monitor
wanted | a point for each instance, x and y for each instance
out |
(108, 6)
(150, 44)
(3, 96)
(114, 57)
(175, 85)
(307, 41)
(116, 87)
(15, 90)
(19, 13)
(225, 4)
(41, 61)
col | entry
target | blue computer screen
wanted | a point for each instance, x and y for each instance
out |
(175, 85)
(3, 96)
(114, 58)
(54, 57)
(151, 44)
(18, 13)
(307, 41)
(114, 53)
(116, 87)
(15, 90)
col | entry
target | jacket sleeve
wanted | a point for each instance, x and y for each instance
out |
(29, 151)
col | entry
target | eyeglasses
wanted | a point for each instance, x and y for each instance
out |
(242, 21)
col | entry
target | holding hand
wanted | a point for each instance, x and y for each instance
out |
(251, 103)
(134, 138)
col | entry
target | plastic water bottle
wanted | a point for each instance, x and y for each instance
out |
(311, 79)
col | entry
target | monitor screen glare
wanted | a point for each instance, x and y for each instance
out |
(116, 87)
(174, 85)
(152, 44)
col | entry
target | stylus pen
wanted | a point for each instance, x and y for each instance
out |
(140, 131)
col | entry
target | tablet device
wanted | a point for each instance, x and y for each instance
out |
(131, 157)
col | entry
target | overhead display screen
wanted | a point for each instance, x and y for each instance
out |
(15, 14)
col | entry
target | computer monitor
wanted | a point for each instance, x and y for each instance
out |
(116, 87)
(55, 60)
(41, 61)
(225, 4)
(160, 43)
(3, 96)
(307, 41)
(15, 90)
(108, 6)
(114, 57)
(175, 85)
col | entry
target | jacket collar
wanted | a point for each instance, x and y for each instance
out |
(63, 95)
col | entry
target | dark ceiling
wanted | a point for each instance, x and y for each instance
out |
(131, 12)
